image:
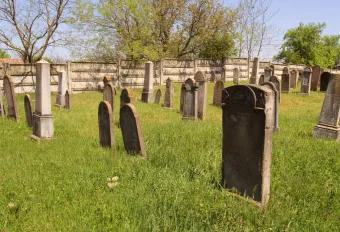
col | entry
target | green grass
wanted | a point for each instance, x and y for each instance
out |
(61, 185)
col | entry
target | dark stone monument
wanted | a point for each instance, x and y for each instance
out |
(328, 126)
(190, 102)
(316, 73)
(247, 141)
(275, 104)
(125, 97)
(67, 100)
(158, 96)
(306, 81)
(28, 110)
(104, 122)
(285, 80)
(131, 131)
(10, 98)
(109, 95)
(324, 80)
(218, 88)
(294, 76)
(202, 94)
(181, 102)
(277, 84)
(169, 93)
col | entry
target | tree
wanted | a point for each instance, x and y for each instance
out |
(29, 27)
(4, 54)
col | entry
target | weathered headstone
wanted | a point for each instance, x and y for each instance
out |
(107, 80)
(169, 93)
(124, 97)
(148, 83)
(158, 96)
(306, 81)
(131, 130)
(109, 95)
(277, 84)
(328, 126)
(2, 108)
(67, 100)
(294, 76)
(324, 80)
(43, 127)
(218, 88)
(261, 80)
(181, 100)
(275, 105)
(28, 110)
(285, 80)
(316, 73)
(212, 77)
(236, 76)
(255, 71)
(273, 71)
(106, 137)
(10, 98)
(190, 103)
(62, 87)
(202, 94)
(247, 141)
(267, 74)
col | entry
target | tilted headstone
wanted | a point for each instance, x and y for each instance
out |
(190, 103)
(28, 110)
(181, 100)
(109, 95)
(247, 141)
(2, 108)
(9, 93)
(277, 84)
(285, 80)
(306, 81)
(67, 100)
(43, 127)
(236, 76)
(202, 94)
(131, 130)
(275, 105)
(255, 71)
(106, 137)
(62, 87)
(148, 83)
(324, 80)
(169, 93)
(316, 73)
(294, 76)
(328, 126)
(218, 88)
(158, 96)
(124, 97)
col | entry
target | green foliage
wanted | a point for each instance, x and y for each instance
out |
(306, 45)
(4, 54)
(61, 185)
(218, 48)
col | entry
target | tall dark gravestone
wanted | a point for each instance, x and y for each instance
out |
(190, 103)
(277, 84)
(169, 94)
(9, 93)
(28, 110)
(181, 100)
(202, 94)
(124, 97)
(131, 130)
(324, 80)
(294, 76)
(306, 81)
(247, 141)
(67, 100)
(275, 104)
(109, 95)
(285, 80)
(158, 96)
(218, 88)
(328, 126)
(106, 138)
(316, 73)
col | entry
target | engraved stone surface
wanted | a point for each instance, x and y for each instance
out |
(277, 84)
(255, 71)
(148, 83)
(236, 76)
(285, 81)
(202, 95)
(169, 94)
(294, 76)
(9, 93)
(105, 124)
(190, 102)
(218, 88)
(28, 110)
(109, 95)
(158, 96)
(306, 81)
(316, 73)
(125, 97)
(275, 104)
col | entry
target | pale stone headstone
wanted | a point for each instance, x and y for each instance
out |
(328, 126)
(190, 102)
(158, 96)
(181, 100)
(109, 95)
(255, 71)
(28, 110)
(316, 73)
(247, 141)
(236, 76)
(267, 74)
(62, 87)
(294, 76)
(2, 108)
(202, 94)
(43, 127)
(9, 93)
(324, 80)
(285, 80)
(306, 81)
(199, 76)
(124, 97)
(148, 83)
(217, 98)
(275, 105)
(169, 93)
(106, 138)
(131, 130)
(67, 100)
(277, 84)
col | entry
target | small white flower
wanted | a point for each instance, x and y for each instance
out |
(115, 179)
(112, 184)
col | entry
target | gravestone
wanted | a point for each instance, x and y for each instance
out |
(255, 71)
(28, 110)
(181, 101)
(105, 125)
(236, 76)
(202, 94)
(169, 93)
(109, 95)
(285, 80)
(158, 96)
(67, 100)
(294, 76)
(324, 80)
(247, 141)
(9, 93)
(212, 77)
(190, 102)
(273, 71)
(148, 83)
(62, 87)
(218, 88)
(43, 127)
(275, 106)
(267, 74)
(316, 73)
(328, 126)
(2, 108)
(261, 80)
(125, 97)
(131, 130)
(107, 80)
(306, 81)
(277, 84)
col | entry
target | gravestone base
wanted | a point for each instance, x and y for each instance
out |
(60, 100)
(146, 96)
(42, 127)
(328, 132)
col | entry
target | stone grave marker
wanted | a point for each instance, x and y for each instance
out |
(316, 73)
(267, 74)
(125, 97)
(255, 71)
(294, 76)
(148, 83)
(202, 94)
(9, 93)
(107, 80)
(158, 96)
(328, 126)
(273, 71)
(199, 76)
(261, 80)
(285, 80)
(236, 76)
(2, 108)
(67, 100)
(181, 102)
(306, 81)
(218, 88)
(275, 104)
(212, 77)
(277, 84)
(190, 102)
(62, 87)
(324, 80)
(169, 93)
(28, 110)
(247, 141)
(106, 137)
(109, 95)
(131, 130)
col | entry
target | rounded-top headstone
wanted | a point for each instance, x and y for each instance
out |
(105, 127)
(199, 76)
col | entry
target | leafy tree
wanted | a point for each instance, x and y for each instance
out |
(4, 54)
(218, 48)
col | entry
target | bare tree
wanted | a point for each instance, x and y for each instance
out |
(29, 27)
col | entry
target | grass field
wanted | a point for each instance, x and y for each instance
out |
(61, 185)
